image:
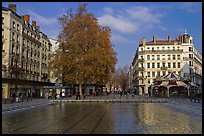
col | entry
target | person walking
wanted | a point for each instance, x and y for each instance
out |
(14, 97)
(63, 95)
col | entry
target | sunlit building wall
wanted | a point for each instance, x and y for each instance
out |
(157, 58)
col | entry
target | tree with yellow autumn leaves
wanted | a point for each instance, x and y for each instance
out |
(85, 54)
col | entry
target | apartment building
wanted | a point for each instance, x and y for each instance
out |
(25, 54)
(157, 58)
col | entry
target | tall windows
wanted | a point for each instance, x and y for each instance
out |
(148, 74)
(153, 74)
(190, 48)
(148, 65)
(169, 57)
(178, 57)
(152, 57)
(174, 65)
(153, 65)
(158, 57)
(169, 65)
(179, 65)
(174, 57)
(163, 57)
(148, 57)
(158, 65)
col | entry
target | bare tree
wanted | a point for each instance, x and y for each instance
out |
(120, 78)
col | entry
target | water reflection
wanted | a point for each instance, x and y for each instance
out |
(107, 118)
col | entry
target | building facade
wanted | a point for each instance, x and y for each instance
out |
(25, 53)
(157, 58)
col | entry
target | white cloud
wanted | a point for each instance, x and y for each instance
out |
(117, 23)
(133, 19)
(108, 10)
(43, 20)
(144, 14)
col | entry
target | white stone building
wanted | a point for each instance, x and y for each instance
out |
(159, 57)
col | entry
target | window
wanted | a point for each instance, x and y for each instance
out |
(174, 57)
(174, 65)
(148, 74)
(163, 64)
(152, 65)
(141, 49)
(158, 57)
(158, 65)
(162, 48)
(190, 63)
(163, 57)
(169, 65)
(158, 73)
(18, 39)
(13, 36)
(14, 24)
(173, 48)
(179, 65)
(148, 65)
(157, 48)
(169, 57)
(152, 48)
(148, 57)
(148, 81)
(190, 48)
(17, 27)
(178, 57)
(152, 57)
(153, 74)
(148, 48)
(190, 55)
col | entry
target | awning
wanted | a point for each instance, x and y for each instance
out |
(192, 84)
(180, 83)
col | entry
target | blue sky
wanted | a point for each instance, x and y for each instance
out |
(129, 21)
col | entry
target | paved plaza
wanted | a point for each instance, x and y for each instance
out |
(179, 103)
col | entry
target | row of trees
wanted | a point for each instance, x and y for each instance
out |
(85, 53)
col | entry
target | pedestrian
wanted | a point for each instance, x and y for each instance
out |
(50, 95)
(76, 95)
(84, 96)
(79, 95)
(14, 97)
(63, 95)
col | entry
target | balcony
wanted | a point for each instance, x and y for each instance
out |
(140, 77)
(163, 68)
(160, 51)
(141, 68)
(140, 60)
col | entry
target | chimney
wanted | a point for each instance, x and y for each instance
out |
(169, 38)
(154, 38)
(38, 28)
(12, 7)
(34, 24)
(143, 40)
(27, 18)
